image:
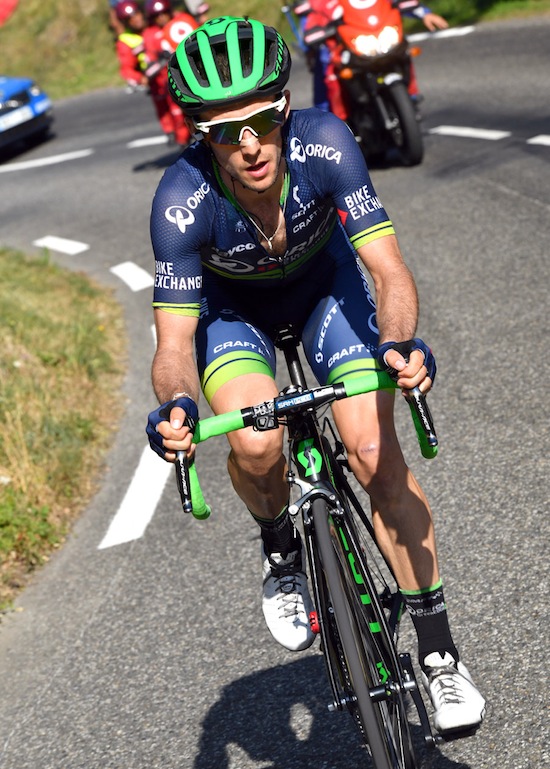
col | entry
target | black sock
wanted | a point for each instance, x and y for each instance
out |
(278, 535)
(428, 611)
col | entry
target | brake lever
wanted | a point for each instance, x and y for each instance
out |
(182, 480)
(418, 403)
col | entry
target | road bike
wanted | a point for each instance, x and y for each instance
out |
(358, 606)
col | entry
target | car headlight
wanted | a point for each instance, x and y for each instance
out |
(371, 45)
(35, 90)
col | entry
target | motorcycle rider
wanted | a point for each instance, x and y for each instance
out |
(158, 38)
(327, 93)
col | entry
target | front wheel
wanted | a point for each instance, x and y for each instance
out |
(379, 713)
(406, 134)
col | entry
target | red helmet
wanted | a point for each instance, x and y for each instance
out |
(154, 7)
(127, 8)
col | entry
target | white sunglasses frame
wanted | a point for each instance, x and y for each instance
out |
(204, 128)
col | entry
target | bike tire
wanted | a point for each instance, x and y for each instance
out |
(355, 655)
(382, 721)
(407, 136)
(384, 659)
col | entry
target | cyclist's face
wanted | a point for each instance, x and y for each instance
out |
(255, 161)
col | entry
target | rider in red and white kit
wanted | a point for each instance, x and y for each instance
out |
(129, 45)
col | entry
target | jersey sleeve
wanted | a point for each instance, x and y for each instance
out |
(129, 67)
(411, 8)
(341, 173)
(181, 218)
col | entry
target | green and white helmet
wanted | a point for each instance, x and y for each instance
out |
(226, 60)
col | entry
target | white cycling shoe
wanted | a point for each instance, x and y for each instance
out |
(286, 603)
(458, 706)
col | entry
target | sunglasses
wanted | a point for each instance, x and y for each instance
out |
(260, 122)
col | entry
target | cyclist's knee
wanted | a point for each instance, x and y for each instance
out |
(379, 466)
(256, 453)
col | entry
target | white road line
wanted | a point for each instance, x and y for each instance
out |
(52, 160)
(543, 139)
(452, 32)
(140, 501)
(469, 133)
(63, 245)
(147, 142)
(135, 277)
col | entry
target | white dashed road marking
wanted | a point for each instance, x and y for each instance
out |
(469, 133)
(543, 139)
(151, 141)
(52, 160)
(452, 32)
(64, 246)
(140, 501)
(135, 277)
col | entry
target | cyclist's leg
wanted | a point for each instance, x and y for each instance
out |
(236, 364)
(341, 338)
(401, 513)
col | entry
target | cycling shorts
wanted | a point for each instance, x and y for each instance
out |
(332, 310)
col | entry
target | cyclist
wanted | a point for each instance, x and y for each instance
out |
(268, 219)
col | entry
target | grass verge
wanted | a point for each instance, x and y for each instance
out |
(61, 367)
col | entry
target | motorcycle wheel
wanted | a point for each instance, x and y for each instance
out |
(406, 136)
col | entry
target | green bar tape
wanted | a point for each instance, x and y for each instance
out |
(200, 509)
(374, 380)
(218, 425)
(427, 451)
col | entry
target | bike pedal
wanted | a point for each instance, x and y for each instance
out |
(314, 622)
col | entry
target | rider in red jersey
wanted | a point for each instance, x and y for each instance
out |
(164, 31)
(129, 46)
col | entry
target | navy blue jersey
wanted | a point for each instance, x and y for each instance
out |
(196, 228)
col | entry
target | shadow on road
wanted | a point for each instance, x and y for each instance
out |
(164, 161)
(278, 719)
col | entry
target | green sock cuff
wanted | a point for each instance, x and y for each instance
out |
(422, 590)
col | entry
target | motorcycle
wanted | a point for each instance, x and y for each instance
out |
(370, 62)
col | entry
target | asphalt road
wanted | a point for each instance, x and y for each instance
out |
(151, 652)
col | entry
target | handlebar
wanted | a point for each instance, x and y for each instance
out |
(265, 416)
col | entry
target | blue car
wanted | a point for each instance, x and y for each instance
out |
(25, 110)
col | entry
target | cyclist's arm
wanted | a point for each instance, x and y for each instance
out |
(174, 372)
(396, 306)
